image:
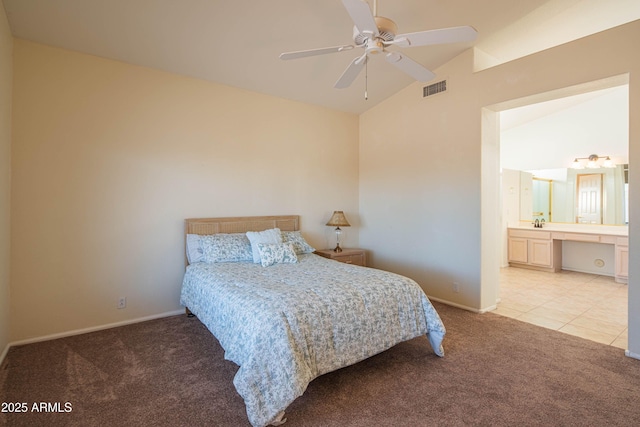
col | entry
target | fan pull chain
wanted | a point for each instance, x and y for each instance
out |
(366, 78)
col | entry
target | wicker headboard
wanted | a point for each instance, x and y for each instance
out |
(241, 224)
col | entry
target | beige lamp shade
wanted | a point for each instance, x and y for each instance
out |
(338, 220)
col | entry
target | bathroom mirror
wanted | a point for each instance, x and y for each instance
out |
(542, 140)
(542, 198)
(586, 196)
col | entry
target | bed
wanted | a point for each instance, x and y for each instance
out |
(286, 323)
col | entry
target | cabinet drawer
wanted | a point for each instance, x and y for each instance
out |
(576, 237)
(610, 240)
(530, 234)
(622, 241)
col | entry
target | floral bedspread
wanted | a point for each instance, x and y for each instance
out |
(286, 324)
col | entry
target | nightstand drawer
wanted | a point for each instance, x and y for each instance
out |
(348, 256)
(351, 259)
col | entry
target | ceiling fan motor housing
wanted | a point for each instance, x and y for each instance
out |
(387, 30)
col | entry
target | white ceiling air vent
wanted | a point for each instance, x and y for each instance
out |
(434, 88)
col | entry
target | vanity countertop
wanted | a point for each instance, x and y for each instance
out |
(611, 230)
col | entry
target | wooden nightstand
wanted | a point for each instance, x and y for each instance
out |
(348, 256)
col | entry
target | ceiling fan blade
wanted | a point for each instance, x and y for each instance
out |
(361, 16)
(443, 35)
(409, 66)
(351, 72)
(314, 52)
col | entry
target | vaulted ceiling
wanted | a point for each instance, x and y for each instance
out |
(238, 42)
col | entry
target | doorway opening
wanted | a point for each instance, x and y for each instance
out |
(494, 250)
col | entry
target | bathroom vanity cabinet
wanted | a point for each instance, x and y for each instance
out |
(541, 249)
(535, 249)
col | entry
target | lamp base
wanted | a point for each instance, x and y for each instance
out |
(337, 248)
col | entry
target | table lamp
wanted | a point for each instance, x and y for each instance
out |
(338, 220)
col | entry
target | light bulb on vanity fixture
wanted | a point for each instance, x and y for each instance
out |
(592, 162)
(338, 220)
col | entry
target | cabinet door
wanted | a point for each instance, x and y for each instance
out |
(517, 250)
(540, 252)
(622, 261)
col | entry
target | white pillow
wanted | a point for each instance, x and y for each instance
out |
(267, 236)
(194, 249)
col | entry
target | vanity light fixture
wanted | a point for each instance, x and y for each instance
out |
(592, 162)
(338, 220)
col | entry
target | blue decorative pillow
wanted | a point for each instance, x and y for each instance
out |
(272, 235)
(276, 253)
(225, 248)
(300, 246)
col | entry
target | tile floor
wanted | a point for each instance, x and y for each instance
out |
(586, 305)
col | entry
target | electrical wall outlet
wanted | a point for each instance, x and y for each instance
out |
(456, 287)
(122, 302)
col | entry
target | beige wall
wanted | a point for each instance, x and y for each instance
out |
(6, 73)
(433, 163)
(110, 158)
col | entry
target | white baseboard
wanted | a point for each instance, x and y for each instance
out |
(4, 353)
(632, 354)
(488, 309)
(464, 307)
(598, 273)
(92, 329)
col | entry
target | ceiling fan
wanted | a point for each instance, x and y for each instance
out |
(375, 33)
